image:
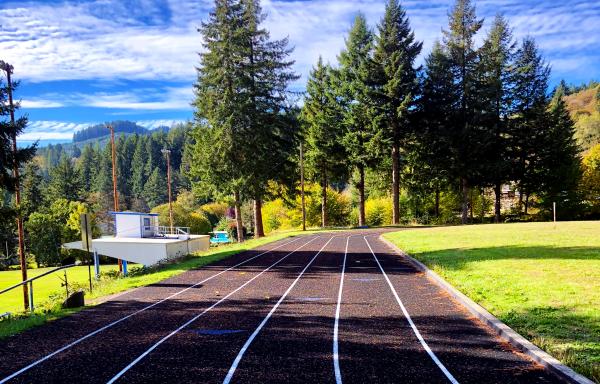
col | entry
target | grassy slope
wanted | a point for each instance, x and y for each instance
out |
(113, 285)
(542, 281)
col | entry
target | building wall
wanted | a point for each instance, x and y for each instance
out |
(128, 226)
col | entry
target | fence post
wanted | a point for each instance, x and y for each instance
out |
(31, 306)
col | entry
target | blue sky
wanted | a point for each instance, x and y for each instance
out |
(89, 61)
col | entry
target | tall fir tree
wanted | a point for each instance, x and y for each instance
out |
(219, 155)
(529, 121)
(322, 116)
(265, 75)
(138, 168)
(354, 89)
(467, 138)
(395, 81)
(32, 188)
(87, 165)
(65, 181)
(436, 119)
(496, 71)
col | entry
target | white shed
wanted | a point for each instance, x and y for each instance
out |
(135, 224)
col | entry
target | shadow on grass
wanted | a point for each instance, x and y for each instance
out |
(456, 258)
(552, 327)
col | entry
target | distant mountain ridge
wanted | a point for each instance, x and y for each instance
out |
(100, 130)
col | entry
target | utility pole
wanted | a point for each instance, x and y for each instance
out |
(9, 69)
(114, 178)
(168, 154)
(302, 186)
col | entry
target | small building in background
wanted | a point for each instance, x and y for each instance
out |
(140, 239)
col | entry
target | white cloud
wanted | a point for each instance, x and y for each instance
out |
(37, 103)
(51, 130)
(152, 39)
(152, 124)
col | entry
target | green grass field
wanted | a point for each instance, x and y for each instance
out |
(12, 301)
(541, 280)
(47, 286)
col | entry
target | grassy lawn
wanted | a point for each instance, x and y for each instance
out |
(542, 281)
(48, 289)
(43, 288)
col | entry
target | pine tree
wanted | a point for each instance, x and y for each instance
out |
(219, 157)
(265, 74)
(527, 128)
(468, 140)
(560, 160)
(138, 168)
(497, 78)
(32, 188)
(65, 181)
(87, 166)
(155, 190)
(321, 115)
(395, 79)
(436, 119)
(353, 79)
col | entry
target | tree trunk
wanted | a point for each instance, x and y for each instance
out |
(324, 201)
(258, 220)
(437, 203)
(361, 196)
(521, 202)
(396, 183)
(465, 200)
(238, 218)
(497, 204)
(526, 203)
(471, 205)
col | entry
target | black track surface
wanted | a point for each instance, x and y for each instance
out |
(376, 342)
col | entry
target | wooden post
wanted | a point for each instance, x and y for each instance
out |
(114, 178)
(168, 154)
(22, 260)
(302, 187)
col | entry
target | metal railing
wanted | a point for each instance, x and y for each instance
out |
(30, 282)
(166, 231)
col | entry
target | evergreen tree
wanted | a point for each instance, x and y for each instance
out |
(219, 155)
(395, 80)
(87, 166)
(561, 163)
(155, 190)
(353, 78)
(321, 114)
(125, 149)
(529, 122)
(138, 168)
(265, 74)
(32, 188)
(497, 77)
(65, 181)
(434, 153)
(467, 138)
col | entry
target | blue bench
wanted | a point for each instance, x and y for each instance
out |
(220, 237)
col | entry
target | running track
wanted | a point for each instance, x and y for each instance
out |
(327, 308)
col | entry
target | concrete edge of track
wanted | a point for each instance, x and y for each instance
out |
(504, 331)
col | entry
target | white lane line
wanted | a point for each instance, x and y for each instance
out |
(412, 324)
(70, 345)
(266, 319)
(153, 347)
(336, 360)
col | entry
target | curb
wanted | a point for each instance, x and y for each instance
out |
(504, 331)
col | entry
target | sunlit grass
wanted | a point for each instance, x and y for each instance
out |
(542, 280)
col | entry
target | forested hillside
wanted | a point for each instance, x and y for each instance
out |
(100, 130)
(584, 106)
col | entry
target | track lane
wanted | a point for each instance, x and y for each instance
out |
(178, 294)
(467, 348)
(293, 345)
(189, 355)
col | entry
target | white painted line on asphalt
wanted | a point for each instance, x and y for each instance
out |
(266, 319)
(64, 348)
(153, 347)
(412, 324)
(336, 359)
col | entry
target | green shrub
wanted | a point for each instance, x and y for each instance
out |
(215, 212)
